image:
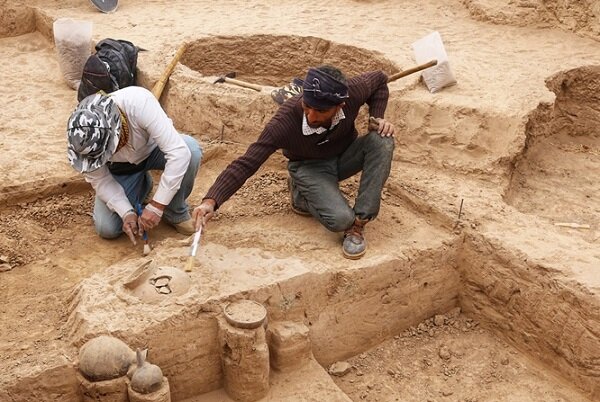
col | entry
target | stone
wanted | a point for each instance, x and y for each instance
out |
(340, 368)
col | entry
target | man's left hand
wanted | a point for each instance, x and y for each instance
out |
(383, 127)
(150, 217)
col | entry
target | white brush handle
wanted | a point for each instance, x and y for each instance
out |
(195, 242)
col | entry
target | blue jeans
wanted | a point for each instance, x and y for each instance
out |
(138, 185)
(316, 182)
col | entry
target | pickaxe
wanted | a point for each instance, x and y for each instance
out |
(229, 78)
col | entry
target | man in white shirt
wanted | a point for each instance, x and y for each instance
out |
(115, 140)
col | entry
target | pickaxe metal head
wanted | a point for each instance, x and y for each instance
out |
(222, 78)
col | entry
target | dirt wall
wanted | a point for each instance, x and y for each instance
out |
(556, 321)
(347, 312)
(579, 16)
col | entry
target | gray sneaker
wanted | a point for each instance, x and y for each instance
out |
(355, 244)
(297, 202)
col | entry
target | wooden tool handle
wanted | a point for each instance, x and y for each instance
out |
(243, 84)
(160, 84)
(404, 73)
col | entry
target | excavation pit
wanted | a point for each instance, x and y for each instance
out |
(365, 312)
(272, 60)
(564, 143)
(528, 299)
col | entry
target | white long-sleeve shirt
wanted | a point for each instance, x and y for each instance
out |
(149, 127)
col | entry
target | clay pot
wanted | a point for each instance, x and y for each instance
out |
(145, 377)
(153, 284)
(105, 358)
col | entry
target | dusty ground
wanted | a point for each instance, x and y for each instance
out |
(516, 141)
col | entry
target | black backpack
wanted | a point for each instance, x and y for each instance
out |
(112, 67)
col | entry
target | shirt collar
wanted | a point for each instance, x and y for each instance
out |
(307, 130)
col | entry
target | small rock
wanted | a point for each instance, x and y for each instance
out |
(447, 392)
(386, 299)
(444, 353)
(439, 320)
(5, 267)
(339, 368)
(504, 361)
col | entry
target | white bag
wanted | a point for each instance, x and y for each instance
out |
(429, 48)
(73, 44)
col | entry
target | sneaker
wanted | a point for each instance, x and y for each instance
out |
(186, 227)
(355, 245)
(300, 210)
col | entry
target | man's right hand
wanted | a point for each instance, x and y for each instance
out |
(130, 226)
(203, 212)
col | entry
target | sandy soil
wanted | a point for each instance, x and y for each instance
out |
(513, 147)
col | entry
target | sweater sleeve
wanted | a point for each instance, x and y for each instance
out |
(373, 86)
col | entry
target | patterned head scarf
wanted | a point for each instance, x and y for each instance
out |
(93, 132)
(322, 91)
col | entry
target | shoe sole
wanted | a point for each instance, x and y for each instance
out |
(353, 256)
(299, 212)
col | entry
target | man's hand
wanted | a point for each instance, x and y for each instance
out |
(150, 217)
(130, 225)
(203, 212)
(383, 127)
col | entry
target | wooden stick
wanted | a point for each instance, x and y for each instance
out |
(243, 84)
(160, 84)
(404, 73)
(573, 225)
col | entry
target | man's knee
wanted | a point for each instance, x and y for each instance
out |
(383, 144)
(341, 221)
(195, 150)
(108, 228)
(108, 232)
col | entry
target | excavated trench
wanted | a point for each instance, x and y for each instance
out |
(563, 143)
(422, 262)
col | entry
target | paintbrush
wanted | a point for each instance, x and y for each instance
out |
(193, 249)
(147, 248)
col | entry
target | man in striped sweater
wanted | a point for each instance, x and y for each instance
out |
(317, 134)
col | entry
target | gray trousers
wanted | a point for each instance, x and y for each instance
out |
(316, 185)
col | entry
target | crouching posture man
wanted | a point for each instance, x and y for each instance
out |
(115, 140)
(316, 131)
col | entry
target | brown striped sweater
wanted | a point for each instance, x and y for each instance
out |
(284, 131)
